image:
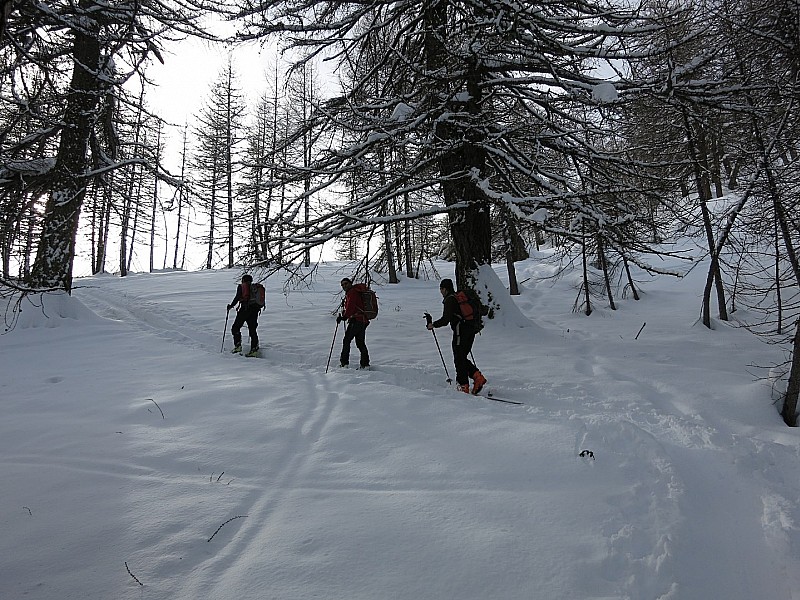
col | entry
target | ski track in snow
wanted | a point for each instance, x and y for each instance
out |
(648, 539)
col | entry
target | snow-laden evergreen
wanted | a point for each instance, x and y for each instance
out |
(140, 462)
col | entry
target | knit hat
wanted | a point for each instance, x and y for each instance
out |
(447, 284)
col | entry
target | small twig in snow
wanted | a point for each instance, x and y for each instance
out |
(132, 575)
(158, 407)
(225, 523)
(29, 510)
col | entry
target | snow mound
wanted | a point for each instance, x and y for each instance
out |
(51, 309)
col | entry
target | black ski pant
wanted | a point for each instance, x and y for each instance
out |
(249, 315)
(356, 330)
(463, 338)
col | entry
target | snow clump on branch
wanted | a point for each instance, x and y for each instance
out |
(604, 93)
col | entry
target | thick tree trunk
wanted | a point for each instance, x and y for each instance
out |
(470, 228)
(513, 284)
(470, 225)
(471, 232)
(789, 410)
(56, 251)
(519, 249)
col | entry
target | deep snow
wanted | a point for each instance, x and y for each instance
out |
(128, 438)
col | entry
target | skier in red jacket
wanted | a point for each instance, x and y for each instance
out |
(357, 324)
(246, 313)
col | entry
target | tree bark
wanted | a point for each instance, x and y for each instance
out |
(180, 205)
(630, 278)
(601, 253)
(470, 227)
(584, 261)
(698, 152)
(56, 250)
(513, 247)
(789, 410)
(154, 207)
(105, 227)
(407, 238)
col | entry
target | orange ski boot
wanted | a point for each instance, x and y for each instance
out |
(480, 381)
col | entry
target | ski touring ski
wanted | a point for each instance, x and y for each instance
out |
(491, 396)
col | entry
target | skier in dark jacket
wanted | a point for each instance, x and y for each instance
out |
(463, 338)
(246, 313)
(357, 323)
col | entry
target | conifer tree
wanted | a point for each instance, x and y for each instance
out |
(64, 66)
(219, 129)
(480, 98)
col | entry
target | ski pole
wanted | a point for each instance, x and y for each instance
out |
(428, 321)
(335, 331)
(224, 331)
(472, 356)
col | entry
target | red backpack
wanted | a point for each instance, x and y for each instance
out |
(257, 295)
(369, 299)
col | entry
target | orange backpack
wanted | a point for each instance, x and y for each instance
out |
(471, 309)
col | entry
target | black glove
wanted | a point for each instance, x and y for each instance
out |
(339, 319)
(230, 306)
(428, 319)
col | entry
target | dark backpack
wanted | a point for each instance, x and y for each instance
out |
(472, 310)
(368, 299)
(258, 295)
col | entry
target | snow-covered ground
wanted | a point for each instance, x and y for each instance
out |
(140, 461)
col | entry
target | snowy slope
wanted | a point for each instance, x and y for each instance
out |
(128, 438)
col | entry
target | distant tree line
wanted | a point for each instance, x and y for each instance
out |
(473, 131)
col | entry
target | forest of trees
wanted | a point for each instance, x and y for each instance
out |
(471, 131)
